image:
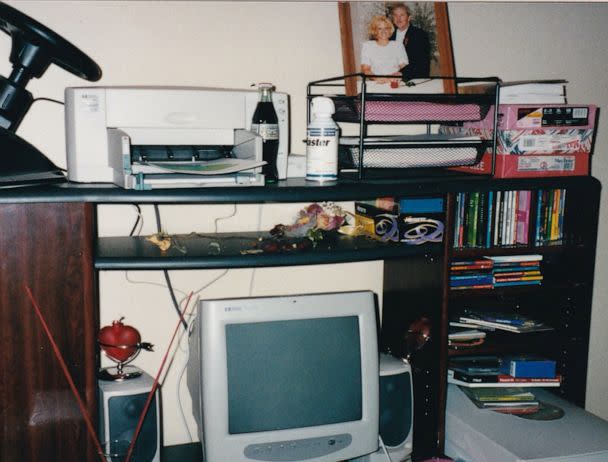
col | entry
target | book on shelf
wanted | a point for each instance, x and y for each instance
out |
(510, 322)
(500, 395)
(517, 271)
(528, 366)
(517, 283)
(505, 400)
(481, 286)
(475, 363)
(538, 327)
(465, 337)
(518, 278)
(468, 326)
(457, 333)
(505, 381)
(521, 259)
(500, 378)
(512, 319)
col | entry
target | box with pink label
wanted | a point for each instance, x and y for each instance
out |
(535, 140)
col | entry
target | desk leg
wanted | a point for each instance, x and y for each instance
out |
(48, 247)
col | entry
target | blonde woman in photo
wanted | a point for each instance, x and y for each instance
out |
(382, 56)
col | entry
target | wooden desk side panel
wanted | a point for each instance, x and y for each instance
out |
(47, 247)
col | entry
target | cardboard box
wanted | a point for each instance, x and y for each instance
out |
(535, 140)
(532, 166)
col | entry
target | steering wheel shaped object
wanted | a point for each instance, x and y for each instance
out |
(34, 48)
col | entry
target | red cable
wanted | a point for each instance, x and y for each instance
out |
(155, 384)
(67, 374)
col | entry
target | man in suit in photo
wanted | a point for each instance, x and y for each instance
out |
(416, 42)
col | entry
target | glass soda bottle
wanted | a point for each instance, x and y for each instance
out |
(266, 124)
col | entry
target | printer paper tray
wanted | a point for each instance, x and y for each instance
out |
(169, 180)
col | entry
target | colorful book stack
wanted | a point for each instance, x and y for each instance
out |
(550, 216)
(516, 270)
(471, 274)
(502, 372)
(492, 219)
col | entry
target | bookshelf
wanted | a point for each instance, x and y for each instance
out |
(563, 299)
(415, 284)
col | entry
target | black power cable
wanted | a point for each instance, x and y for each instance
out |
(166, 273)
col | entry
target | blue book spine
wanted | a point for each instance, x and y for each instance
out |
(529, 368)
(458, 218)
(517, 283)
(490, 215)
(470, 282)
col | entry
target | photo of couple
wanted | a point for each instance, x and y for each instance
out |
(399, 42)
(396, 47)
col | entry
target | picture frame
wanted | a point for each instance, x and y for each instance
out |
(354, 16)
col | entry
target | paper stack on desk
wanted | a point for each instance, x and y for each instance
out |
(533, 91)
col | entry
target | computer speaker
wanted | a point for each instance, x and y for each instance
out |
(120, 407)
(396, 407)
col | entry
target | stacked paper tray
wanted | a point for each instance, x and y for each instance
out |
(392, 108)
(410, 151)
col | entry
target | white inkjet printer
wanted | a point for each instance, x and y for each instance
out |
(147, 137)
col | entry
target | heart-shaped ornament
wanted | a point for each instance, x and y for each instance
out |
(119, 341)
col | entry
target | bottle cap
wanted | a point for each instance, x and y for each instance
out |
(323, 106)
(265, 85)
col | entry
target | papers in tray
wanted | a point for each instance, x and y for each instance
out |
(407, 151)
(212, 167)
(404, 140)
(533, 91)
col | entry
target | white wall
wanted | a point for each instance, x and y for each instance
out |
(231, 44)
(216, 44)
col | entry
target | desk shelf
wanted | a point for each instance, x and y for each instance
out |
(224, 250)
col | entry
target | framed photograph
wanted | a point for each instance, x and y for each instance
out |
(429, 21)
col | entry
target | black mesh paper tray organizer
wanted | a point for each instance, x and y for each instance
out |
(410, 151)
(395, 155)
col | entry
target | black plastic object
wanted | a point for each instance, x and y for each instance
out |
(34, 48)
(20, 162)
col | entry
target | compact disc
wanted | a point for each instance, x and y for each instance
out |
(546, 412)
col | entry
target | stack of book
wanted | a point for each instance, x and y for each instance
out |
(505, 321)
(516, 270)
(511, 400)
(500, 372)
(471, 274)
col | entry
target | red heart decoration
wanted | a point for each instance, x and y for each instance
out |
(119, 341)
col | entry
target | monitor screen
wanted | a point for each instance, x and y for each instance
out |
(293, 374)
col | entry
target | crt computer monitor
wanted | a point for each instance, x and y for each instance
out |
(285, 378)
